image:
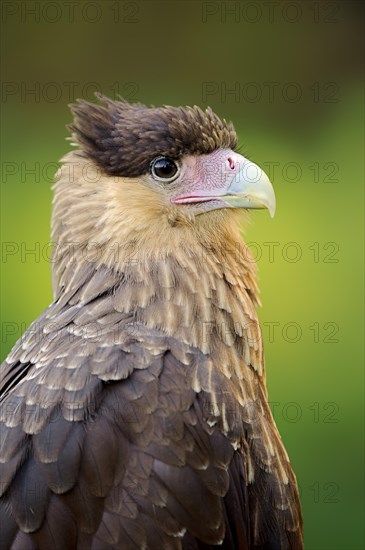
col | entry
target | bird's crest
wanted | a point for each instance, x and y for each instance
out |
(123, 138)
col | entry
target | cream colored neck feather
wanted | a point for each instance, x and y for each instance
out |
(190, 277)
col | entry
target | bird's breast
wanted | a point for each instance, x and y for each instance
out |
(204, 306)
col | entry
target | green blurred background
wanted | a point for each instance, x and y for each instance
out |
(289, 74)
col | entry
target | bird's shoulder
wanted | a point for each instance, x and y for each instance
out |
(104, 417)
(114, 431)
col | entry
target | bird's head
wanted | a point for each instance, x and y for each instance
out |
(142, 173)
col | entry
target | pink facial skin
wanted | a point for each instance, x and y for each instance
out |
(207, 177)
(222, 179)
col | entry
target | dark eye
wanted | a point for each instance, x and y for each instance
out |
(164, 169)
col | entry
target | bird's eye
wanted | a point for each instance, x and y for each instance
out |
(164, 169)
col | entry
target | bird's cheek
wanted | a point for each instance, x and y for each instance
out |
(210, 175)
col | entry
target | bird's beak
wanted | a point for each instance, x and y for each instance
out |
(242, 184)
(250, 188)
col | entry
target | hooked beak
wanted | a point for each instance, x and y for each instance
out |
(243, 185)
(250, 188)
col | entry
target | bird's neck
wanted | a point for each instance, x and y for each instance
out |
(202, 296)
(193, 281)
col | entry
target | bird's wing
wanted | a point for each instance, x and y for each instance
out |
(114, 435)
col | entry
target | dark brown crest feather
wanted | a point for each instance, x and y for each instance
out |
(123, 138)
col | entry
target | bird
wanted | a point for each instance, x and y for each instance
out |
(134, 411)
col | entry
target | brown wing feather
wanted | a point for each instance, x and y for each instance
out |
(131, 438)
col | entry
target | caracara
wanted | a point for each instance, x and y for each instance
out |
(134, 411)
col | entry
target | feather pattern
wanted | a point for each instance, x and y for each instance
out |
(133, 411)
(144, 437)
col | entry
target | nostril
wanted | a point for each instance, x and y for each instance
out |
(231, 163)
